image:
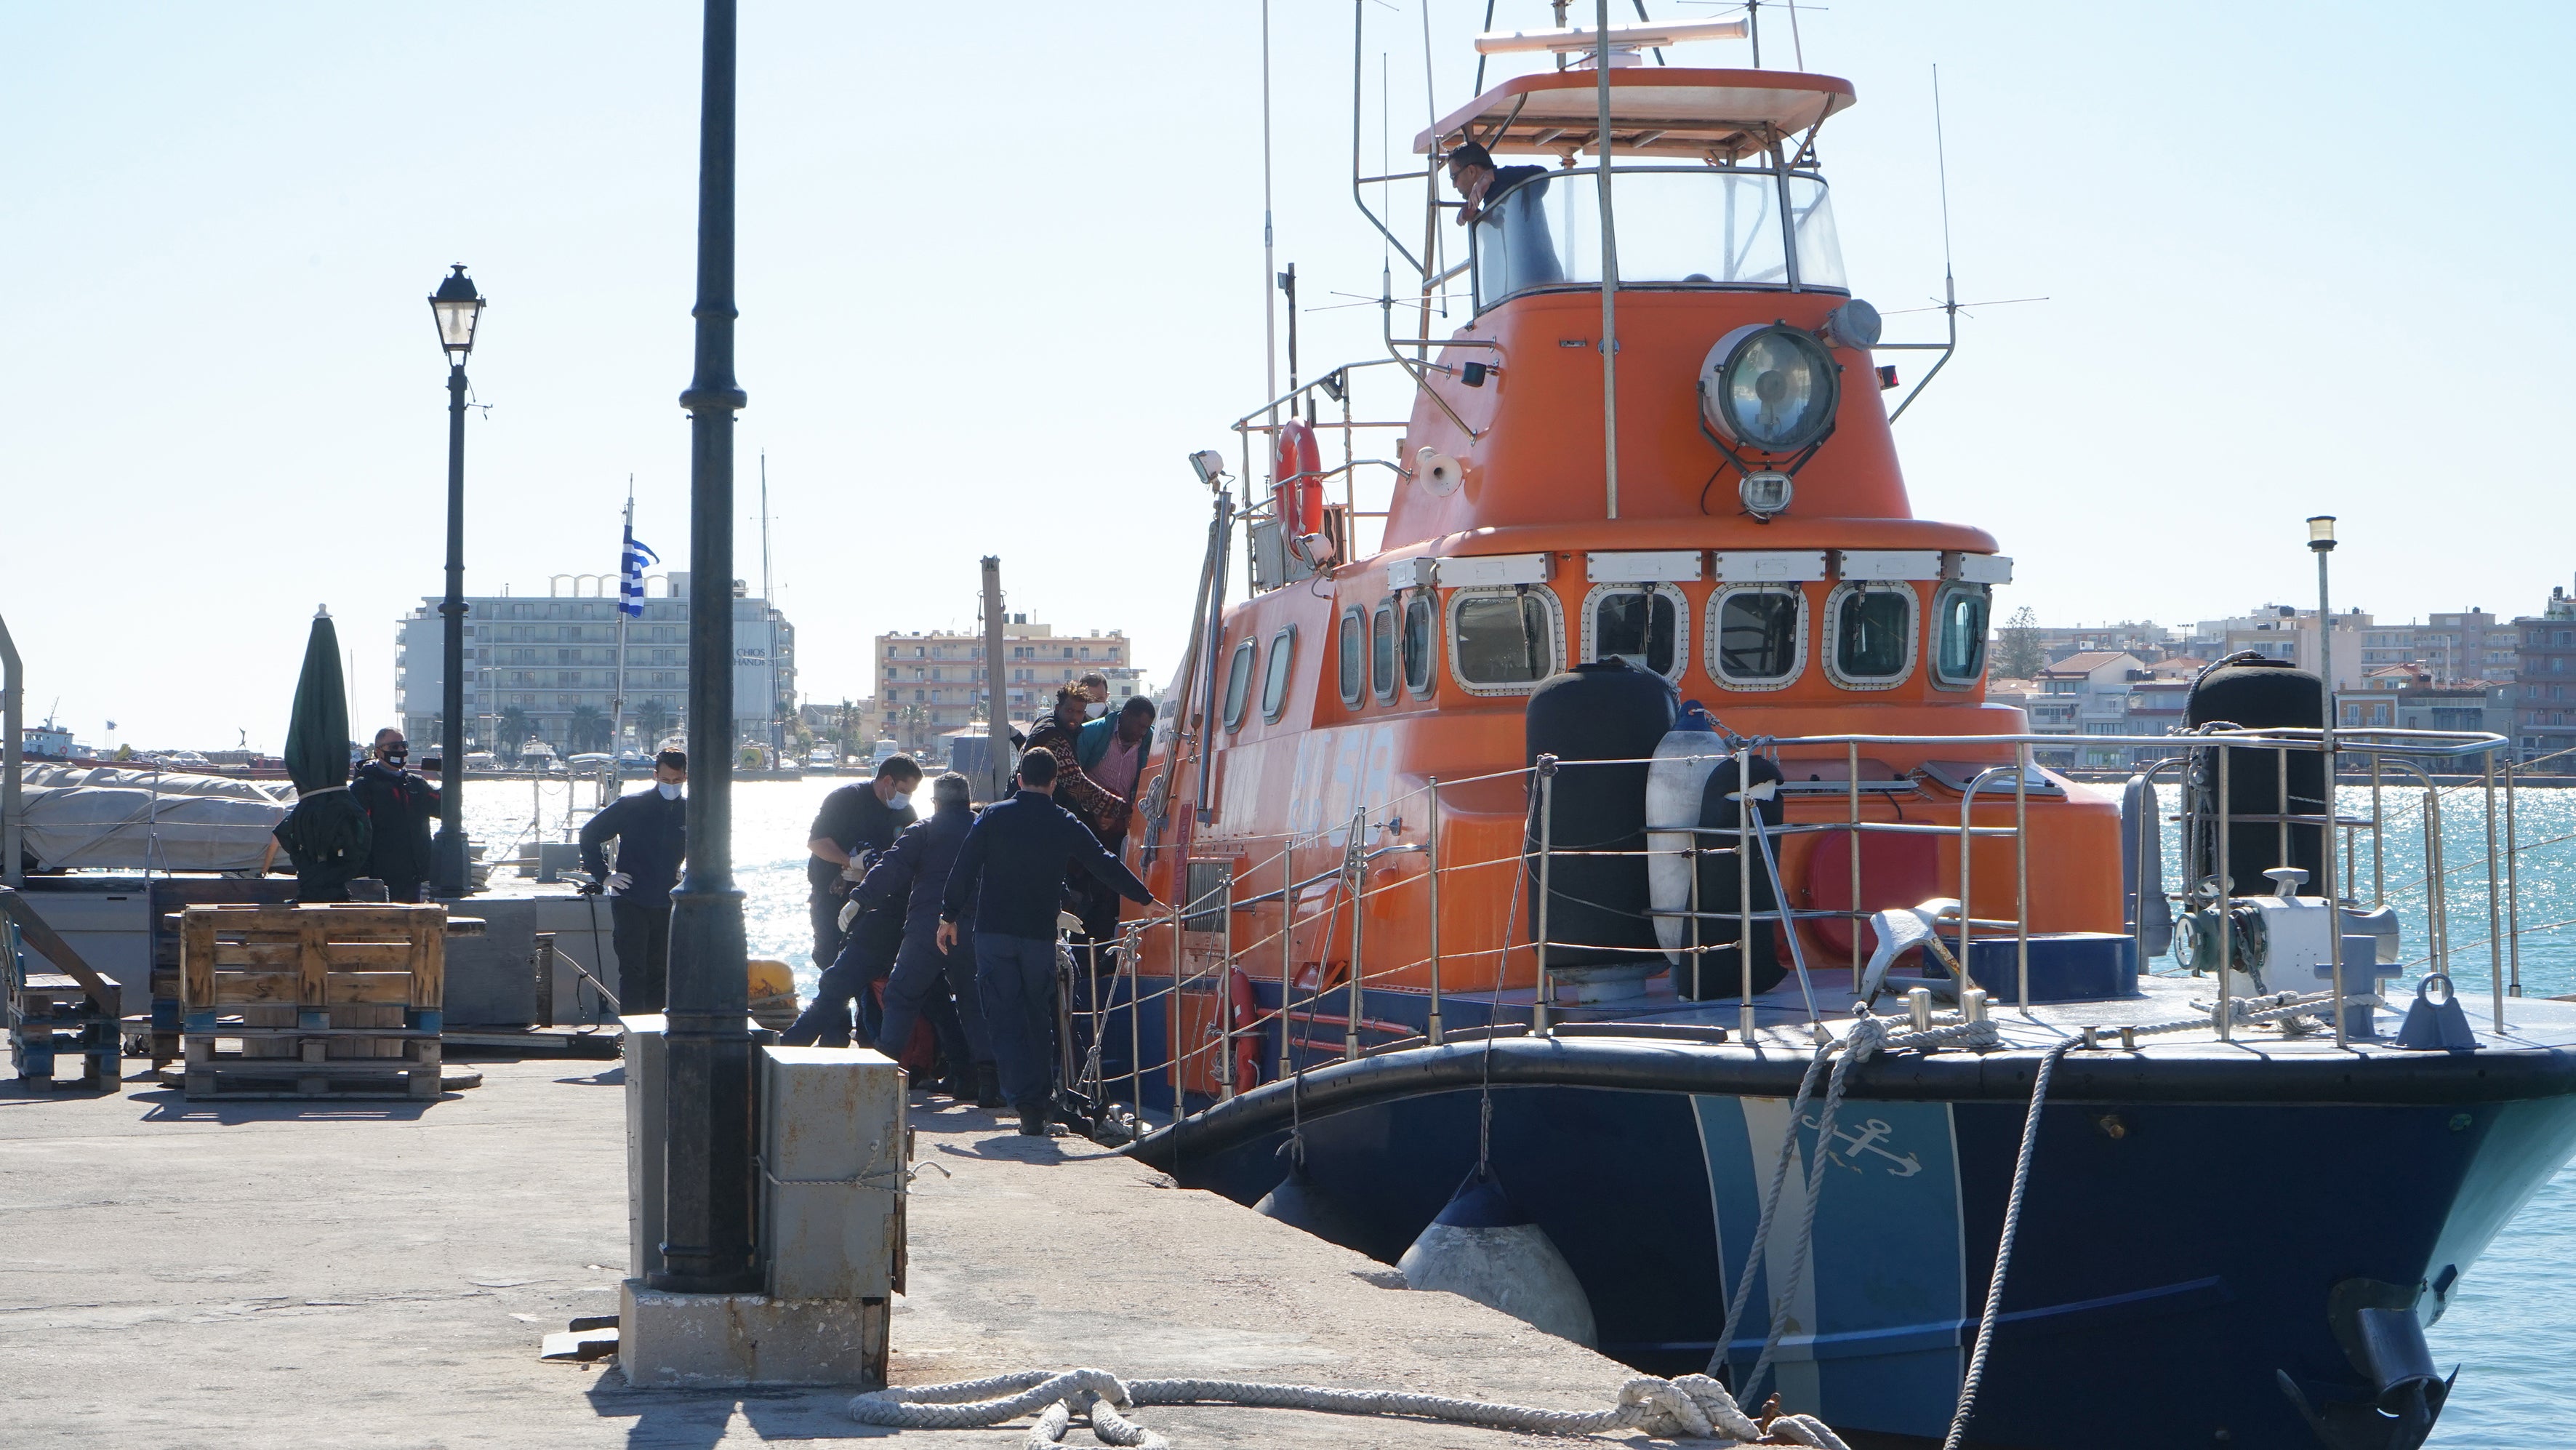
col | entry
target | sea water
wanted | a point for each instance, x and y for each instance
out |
(2511, 1316)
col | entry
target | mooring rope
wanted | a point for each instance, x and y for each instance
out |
(1969, 1383)
(1691, 1405)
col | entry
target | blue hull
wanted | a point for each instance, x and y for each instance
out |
(2176, 1255)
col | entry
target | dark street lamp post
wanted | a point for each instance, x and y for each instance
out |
(707, 1114)
(458, 307)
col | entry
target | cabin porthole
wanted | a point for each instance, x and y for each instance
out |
(1238, 685)
(1647, 624)
(1274, 674)
(1504, 640)
(1757, 636)
(1870, 635)
(1353, 649)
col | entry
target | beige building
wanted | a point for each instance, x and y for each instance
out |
(932, 682)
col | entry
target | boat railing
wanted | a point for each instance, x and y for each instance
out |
(1316, 903)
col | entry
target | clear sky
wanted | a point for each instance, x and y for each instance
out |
(1001, 271)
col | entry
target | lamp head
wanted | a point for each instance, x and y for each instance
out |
(2321, 533)
(458, 307)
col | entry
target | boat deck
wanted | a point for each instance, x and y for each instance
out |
(1781, 1019)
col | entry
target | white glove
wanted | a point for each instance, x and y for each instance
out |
(618, 881)
(849, 912)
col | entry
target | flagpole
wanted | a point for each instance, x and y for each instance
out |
(617, 691)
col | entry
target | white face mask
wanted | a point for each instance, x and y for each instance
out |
(670, 789)
(1095, 710)
(899, 800)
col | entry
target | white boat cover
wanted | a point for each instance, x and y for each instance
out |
(102, 817)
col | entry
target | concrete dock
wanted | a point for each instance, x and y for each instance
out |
(380, 1274)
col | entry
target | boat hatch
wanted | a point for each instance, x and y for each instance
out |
(1833, 777)
(1954, 775)
(1718, 115)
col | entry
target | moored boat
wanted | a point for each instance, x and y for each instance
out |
(1626, 823)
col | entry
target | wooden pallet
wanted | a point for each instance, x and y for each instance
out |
(326, 1001)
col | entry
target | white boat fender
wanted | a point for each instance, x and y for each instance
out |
(1302, 1203)
(1483, 1247)
(1689, 751)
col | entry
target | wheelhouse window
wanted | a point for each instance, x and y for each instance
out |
(1274, 677)
(1503, 641)
(1640, 623)
(1353, 650)
(1678, 226)
(1959, 616)
(1382, 652)
(1757, 636)
(1417, 644)
(1238, 685)
(1871, 629)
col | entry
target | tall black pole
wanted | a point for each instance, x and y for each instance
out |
(448, 867)
(707, 1095)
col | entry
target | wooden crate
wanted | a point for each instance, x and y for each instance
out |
(170, 896)
(327, 1001)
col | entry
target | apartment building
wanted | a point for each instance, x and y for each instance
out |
(548, 665)
(930, 682)
(2545, 674)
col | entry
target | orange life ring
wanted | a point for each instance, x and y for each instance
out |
(1297, 480)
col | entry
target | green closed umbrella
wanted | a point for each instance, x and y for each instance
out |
(327, 833)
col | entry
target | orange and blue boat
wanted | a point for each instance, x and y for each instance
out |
(1594, 796)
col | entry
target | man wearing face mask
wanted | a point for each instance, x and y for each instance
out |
(650, 828)
(400, 804)
(855, 823)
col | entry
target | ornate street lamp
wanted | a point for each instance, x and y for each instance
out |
(458, 308)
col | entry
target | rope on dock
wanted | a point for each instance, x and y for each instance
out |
(1691, 1405)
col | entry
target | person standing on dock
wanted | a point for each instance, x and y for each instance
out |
(856, 822)
(651, 830)
(928, 980)
(400, 803)
(1011, 873)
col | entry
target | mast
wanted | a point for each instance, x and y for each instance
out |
(1609, 263)
(769, 610)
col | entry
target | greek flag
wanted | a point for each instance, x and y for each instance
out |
(630, 575)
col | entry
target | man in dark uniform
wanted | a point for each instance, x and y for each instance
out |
(399, 804)
(853, 944)
(650, 828)
(856, 822)
(1016, 856)
(926, 980)
(1518, 252)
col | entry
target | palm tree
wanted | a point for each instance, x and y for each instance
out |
(652, 722)
(588, 729)
(513, 732)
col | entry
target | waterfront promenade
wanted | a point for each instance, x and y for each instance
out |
(380, 1274)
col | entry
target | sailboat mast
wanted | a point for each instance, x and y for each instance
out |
(769, 611)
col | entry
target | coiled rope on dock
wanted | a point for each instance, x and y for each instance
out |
(1691, 1405)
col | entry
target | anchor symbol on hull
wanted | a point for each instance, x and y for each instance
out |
(1866, 1141)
